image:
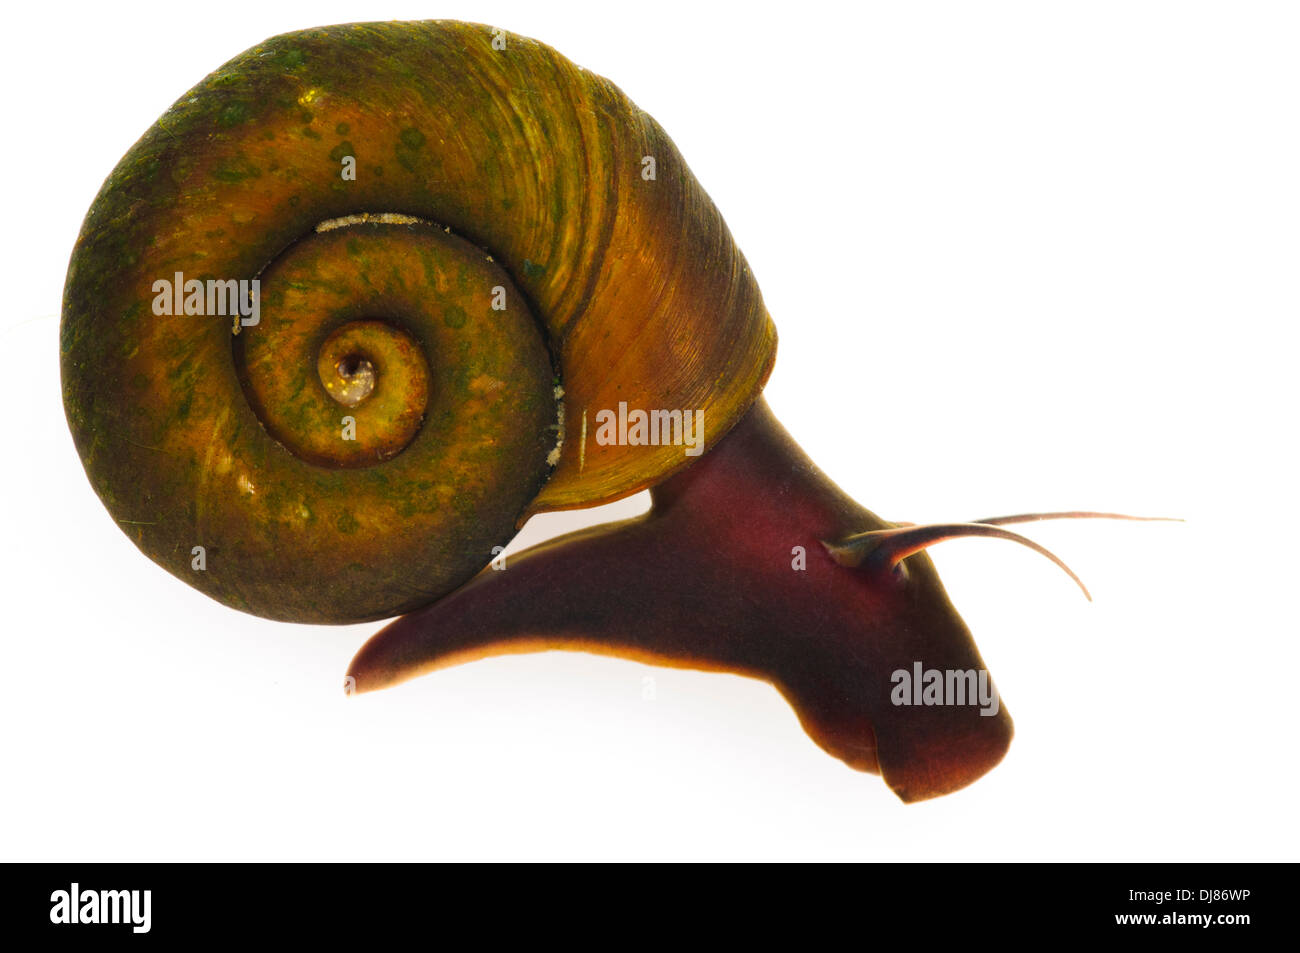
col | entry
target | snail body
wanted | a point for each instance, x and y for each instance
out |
(366, 298)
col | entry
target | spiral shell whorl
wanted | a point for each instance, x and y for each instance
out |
(632, 288)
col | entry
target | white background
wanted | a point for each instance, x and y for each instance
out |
(1021, 256)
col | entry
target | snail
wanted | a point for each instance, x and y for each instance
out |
(370, 296)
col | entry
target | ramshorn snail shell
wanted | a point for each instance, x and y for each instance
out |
(525, 174)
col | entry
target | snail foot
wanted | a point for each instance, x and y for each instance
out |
(727, 573)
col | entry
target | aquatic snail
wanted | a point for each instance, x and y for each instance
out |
(360, 304)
